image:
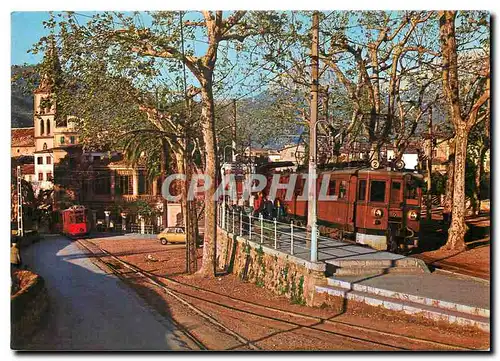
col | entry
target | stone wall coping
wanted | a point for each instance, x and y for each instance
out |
(313, 266)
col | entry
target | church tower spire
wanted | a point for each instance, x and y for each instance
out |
(50, 69)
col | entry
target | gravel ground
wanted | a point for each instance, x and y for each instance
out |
(285, 333)
(475, 262)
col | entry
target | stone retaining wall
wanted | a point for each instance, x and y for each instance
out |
(281, 273)
(28, 306)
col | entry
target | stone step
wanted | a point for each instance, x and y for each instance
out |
(375, 271)
(359, 262)
(409, 307)
(402, 296)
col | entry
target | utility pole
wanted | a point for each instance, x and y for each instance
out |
(190, 207)
(20, 230)
(429, 168)
(233, 132)
(311, 219)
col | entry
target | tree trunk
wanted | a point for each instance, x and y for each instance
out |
(163, 172)
(456, 233)
(477, 180)
(208, 126)
(462, 124)
(187, 214)
(193, 230)
(448, 197)
(429, 185)
(429, 169)
(191, 223)
(477, 187)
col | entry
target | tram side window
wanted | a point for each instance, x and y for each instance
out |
(362, 190)
(79, 218)
(411, 189)
(300, 186)
(377, 191)
(343, 189)
(331, 187)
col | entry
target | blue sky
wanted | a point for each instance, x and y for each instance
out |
(26, 29)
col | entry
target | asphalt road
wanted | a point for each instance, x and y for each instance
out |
(92, 310)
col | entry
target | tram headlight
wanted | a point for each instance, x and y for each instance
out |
(412, 215)
(378, 213)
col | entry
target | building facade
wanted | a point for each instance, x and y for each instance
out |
(104, 182)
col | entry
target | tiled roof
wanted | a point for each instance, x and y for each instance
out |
(23, 137)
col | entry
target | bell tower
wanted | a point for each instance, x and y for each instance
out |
(44, 100)
(44, 115)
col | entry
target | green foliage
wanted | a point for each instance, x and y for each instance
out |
(266, 120)
(283, 283)
(438, 181)
(297, 291)
(261, 271)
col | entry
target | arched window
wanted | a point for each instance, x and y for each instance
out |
(41, 127)
(44, 146)
(48, 126)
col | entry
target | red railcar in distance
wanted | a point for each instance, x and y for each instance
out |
(75, 221)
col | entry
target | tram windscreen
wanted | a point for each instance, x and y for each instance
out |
(362, 190)
(79, 218)
(411, 189)
(377, 191)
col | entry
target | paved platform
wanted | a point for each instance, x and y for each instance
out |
(392, 281)
(340, 256)
(433, 296)
(440, 287)
(330, 249)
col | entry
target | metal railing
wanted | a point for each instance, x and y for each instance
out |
(142, 229)
(129, 228)
(285, 237)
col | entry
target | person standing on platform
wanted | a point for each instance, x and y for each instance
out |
(15, 258)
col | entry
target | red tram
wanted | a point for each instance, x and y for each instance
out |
(75, 221)
(377, 207)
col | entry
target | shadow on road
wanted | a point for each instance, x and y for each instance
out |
(92, 310)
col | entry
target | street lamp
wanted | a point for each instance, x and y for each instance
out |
(312, 178)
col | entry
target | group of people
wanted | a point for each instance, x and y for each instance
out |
(264, 206)
(269, 209)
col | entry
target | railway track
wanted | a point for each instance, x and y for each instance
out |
(207, 317)
(192, 297)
